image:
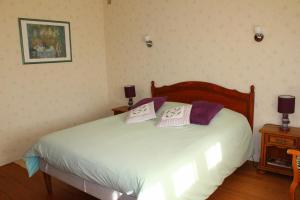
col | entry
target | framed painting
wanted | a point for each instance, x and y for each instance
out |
(45, 41)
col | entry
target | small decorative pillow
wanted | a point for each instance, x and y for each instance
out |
(141, 113)
(177, 116)
(158, 102)
(203, 112)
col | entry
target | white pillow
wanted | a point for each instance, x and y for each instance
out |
(176, 116)
(141, 113)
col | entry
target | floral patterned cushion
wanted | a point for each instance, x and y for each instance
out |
(141, 113)
(177, 116)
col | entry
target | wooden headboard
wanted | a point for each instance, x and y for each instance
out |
(187, 92)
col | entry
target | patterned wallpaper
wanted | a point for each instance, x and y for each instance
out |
(206, 40)
(38, 99)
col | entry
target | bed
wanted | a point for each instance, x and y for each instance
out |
(112, 160)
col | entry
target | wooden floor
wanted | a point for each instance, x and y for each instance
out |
(244, 184)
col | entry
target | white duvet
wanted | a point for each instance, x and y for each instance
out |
(151, 163)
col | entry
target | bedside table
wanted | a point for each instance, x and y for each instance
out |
(120, 110)
(274, 145)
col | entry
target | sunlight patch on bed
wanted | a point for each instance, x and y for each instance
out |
(116, 195)
(213, 156)
(184, 178)
(130, 192)
(155, 192)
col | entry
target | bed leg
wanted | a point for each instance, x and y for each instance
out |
(48, 182)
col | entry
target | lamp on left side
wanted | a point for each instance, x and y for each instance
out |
(129, 93)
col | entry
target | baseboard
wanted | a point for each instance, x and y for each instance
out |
(20, 163)
(252, 162)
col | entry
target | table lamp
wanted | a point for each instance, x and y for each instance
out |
(129, 93)
(286, 106)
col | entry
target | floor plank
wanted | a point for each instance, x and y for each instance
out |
(247, 184)
(244, 184)
(15, 185)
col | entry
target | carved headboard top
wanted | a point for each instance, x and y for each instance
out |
(187, 92)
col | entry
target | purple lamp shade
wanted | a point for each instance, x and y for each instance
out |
(129, 91)
(286, 104)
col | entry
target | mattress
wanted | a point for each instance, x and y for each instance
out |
(147, 162)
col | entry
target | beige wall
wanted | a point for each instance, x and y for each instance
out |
(206, 40)
(37, 99)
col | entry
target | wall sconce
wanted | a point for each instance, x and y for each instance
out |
(259, 36)
(148, 41)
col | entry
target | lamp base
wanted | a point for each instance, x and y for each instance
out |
(130, 103)
(285, 122)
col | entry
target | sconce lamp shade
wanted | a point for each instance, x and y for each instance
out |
(286, 104)
(129, 91)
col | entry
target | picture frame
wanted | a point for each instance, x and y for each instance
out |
(45, 41)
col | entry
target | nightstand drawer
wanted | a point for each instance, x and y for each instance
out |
(282, 141)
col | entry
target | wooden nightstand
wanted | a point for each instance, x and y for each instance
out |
(120, 110)
(274, 145)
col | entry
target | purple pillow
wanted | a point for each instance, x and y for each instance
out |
(203, 112)
(158, 102)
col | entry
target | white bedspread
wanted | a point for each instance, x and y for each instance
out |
(185, 163)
